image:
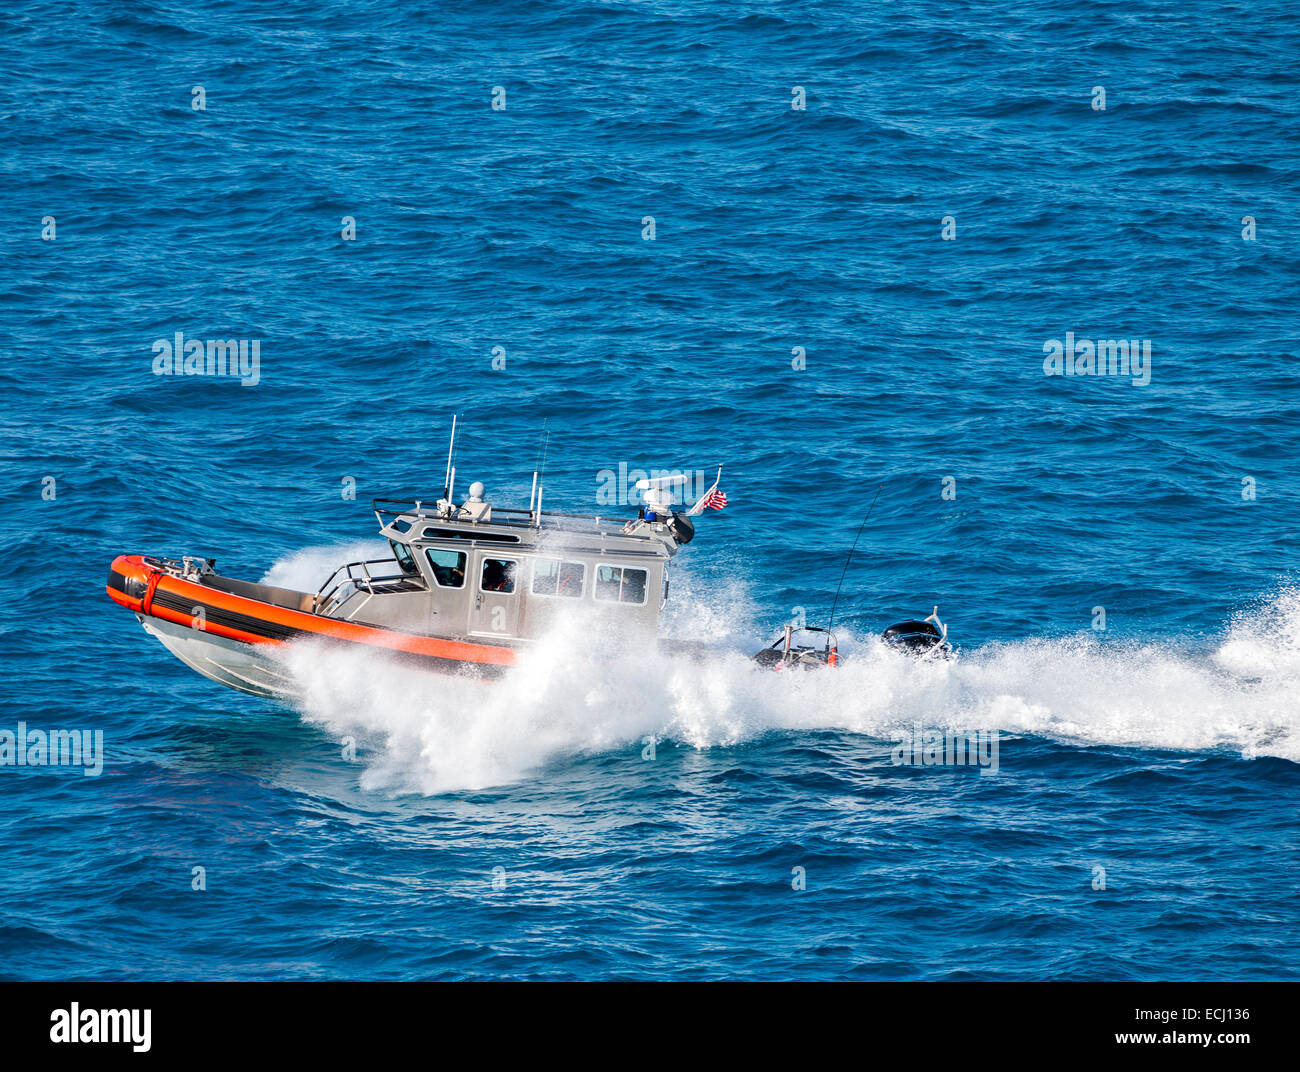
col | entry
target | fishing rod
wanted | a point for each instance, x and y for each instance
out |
(849, 558)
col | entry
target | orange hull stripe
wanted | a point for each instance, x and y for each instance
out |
(310, 624)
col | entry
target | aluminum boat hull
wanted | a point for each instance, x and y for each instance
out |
(234, 639)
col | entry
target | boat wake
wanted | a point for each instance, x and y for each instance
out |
(417, 732)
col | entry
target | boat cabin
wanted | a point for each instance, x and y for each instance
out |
(474, 571)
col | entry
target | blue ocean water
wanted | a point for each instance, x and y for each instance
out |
(1142, 820)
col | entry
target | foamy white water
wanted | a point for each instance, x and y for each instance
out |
(308, 569)
(429, 733)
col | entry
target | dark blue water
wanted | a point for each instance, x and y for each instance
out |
(1142, 820)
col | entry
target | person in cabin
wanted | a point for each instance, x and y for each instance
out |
(497, 577)
(633, 586)
(570, 580)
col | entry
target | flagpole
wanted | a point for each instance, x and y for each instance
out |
(698, 508)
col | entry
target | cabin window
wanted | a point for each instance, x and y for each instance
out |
(448, 567)
(620, 584)
(498, 575)
(551, 577)
(404, 558)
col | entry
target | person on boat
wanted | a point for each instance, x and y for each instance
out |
(633, 586)
(496, 578)
(570, 580)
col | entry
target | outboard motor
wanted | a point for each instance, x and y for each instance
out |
(681, 527)
(925, 638)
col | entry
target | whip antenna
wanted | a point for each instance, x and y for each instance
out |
(849, 557)
(451, 446)
(541, 484)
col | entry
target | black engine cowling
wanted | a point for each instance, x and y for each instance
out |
(682, 528)
(917, 638)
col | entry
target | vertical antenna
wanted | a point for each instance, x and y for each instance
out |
(849, 558)
(532, 495)
(446, 480)
(541, 485)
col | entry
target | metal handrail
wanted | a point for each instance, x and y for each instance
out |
(319, 600)
(513, 516)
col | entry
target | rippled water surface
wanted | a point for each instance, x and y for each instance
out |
(1141, 822)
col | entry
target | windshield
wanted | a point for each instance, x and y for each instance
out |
(404, 557)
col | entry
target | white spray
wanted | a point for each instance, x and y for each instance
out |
(429, 733)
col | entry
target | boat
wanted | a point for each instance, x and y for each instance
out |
(469, 589)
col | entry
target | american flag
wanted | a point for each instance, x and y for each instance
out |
(714, 500)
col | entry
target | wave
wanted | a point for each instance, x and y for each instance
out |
(428, 733)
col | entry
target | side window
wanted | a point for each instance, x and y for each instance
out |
(609, 579)
(571, 575)
(448, 567)
(551, 577)
(633, 586)
(616, 584)
(498, 575)
(546, 576)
